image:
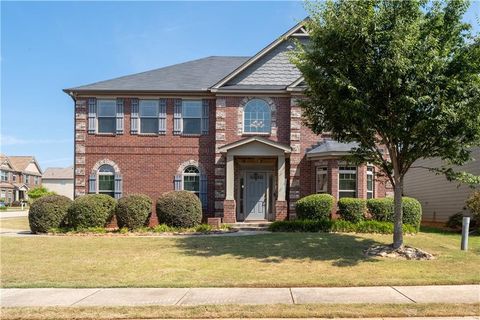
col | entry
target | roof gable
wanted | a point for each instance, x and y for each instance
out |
(256, 139)
(25, 164)
(271, 66)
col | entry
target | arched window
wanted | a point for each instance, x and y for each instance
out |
(106, 180)
(191, 180)
(257, 117)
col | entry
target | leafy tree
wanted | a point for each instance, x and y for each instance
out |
(402, 78)
(39, 192)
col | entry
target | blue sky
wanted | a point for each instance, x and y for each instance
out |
(48, 46)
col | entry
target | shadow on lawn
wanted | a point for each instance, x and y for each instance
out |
(341, 249)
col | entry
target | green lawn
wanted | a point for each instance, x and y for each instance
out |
(270, 260)
(243, 311)
(20, 223)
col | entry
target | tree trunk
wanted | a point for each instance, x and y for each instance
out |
(398, 214)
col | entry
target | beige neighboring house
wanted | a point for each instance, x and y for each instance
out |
(18, 174)
(439, 197)
(59, 180)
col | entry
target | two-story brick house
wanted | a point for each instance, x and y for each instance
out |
(227, 128)
(18, 174)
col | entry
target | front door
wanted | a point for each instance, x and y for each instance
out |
(256, 188)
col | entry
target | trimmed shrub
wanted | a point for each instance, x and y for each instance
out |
(90, 211)
(133, 211)
(412, 212)
(48, 212)
(179, 209)
(368, 226)
(352, 209)
(314, 207)
(381, 209)
(473, 204)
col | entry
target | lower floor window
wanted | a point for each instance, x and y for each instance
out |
(347, 182)
(370, 182)
(191, 180)
(321, 181)
(106, 180)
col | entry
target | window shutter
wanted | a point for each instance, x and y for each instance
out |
(119, 116)
(178, 182)
(162, 116)
(134, 116)
(177, 117)
(92, 183)
(205, 106)
(118, 186)
(203, 190)
(92, 115)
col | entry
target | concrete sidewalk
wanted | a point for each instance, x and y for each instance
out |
(208, 296)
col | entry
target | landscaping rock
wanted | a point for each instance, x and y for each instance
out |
(405, 252)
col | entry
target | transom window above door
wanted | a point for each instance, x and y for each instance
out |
(106, 116)
(257, 117)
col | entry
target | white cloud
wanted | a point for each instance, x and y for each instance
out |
(6, 140)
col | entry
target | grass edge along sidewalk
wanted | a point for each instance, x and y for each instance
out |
(244, 311)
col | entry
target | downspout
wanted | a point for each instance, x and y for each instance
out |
(72, 95)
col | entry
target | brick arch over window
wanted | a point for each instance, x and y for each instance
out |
(273, 118)
(93, 180)
(179, 181)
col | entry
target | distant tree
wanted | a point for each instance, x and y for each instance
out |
(39, 192)
(403, 75)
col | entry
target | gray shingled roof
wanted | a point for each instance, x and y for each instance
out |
(195, 75)
(332, 147)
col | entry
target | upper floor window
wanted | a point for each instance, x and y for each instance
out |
(106, 116)
(25, 178)
(321, 180)
(347, 181)
(191, 179)
(149, 116)
(106, 180)
(256, 117)
(14, 177)
(3, 175)
(36, 180)
(192, 116)
(370, 182)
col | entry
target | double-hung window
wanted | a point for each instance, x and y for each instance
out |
(191, 180)
(370, 182)
(106, 180)
(3, 175)
(106, 116)
(321, 181)
(149, 116)
(192, 116)
(25, 178)
(347, 181)
(36, 180)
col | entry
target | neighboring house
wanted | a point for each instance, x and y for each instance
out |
(18, 174)
(228, 129)
(59, 180)
(439, 197)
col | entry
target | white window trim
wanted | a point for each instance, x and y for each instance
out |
(324, 171)
(258, 133)
(183, 117)
(157, 102)
(104, 174)
(97, 116)
(347, 171)
(190, 174)
(371, 172)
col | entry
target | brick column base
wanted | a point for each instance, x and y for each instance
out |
(281, 210)
(229, 211)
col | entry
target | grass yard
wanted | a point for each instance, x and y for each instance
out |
(270, 260)
(20, 223)
(243, 311)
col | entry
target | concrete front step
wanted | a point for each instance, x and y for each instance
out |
(251, 226)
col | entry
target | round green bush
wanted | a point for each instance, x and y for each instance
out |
(133, 211)
(352, 209)
(90, 211)
(314, 207)
(48, 212)
(412, 212)
(180, 209)
(381, 209)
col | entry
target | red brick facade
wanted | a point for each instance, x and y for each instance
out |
(149, 163)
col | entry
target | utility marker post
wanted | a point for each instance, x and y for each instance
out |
(465, 228)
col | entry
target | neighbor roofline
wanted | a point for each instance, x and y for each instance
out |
(261, 53)
(327, 154)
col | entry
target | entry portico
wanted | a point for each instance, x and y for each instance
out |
(255, 186)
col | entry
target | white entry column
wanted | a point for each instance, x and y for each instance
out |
(281, 178)
(229, 176)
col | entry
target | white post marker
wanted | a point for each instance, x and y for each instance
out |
(465, 228)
